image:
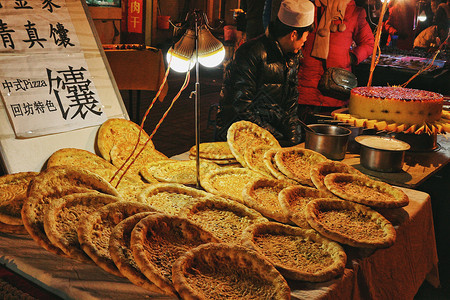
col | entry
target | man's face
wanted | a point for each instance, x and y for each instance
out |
(298, 43)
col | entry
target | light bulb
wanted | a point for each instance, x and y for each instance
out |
(212, 59)
(422, 17)
(178, 63)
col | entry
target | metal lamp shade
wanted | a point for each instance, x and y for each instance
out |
(210, 50)
(181, 56)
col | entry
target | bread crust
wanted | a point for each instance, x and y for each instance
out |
(95, 229)
(244, 134)
(235, 272)
(262, 196)
(120, 251)
(117, 130)
(158, 240)
(51, 184)
(296, 163)
(228, 182)
(350, 223)
(13, 191)
(62, 216)
(223, 218)
(293, 201)
(363, 190)
(299, 254)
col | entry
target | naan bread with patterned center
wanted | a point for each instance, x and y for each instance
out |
(13, 191)
(223, 218)
(299, 254)
(296, 163)
(350, 223)
(142, 155)
(158, 240)
(62, 216)
(213, 150)
(262, 196)
(95, 230)
(170, 198)
(269, 162)
(254, 159)
(129, 186)
(244, 134)
(228, 182)
(121, 254)
(177, 171)
(363, 190)
(322, 169)
(293, 201)
(51, 184)
(115, 131)
(222, 271)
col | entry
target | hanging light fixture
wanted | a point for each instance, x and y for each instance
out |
(422, 17)
(181, 55)
(197, 46)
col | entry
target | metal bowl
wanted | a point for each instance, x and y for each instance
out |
(329, 140)
(382, 154)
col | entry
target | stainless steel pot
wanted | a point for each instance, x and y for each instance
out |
(329, 140)
(382, 154)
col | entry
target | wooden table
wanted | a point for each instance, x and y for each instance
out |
(418, 166)
(137, 70)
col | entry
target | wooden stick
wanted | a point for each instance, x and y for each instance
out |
(377, 42)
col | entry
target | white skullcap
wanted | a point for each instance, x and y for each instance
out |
(296, 13)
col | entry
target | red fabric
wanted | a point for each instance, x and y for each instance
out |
(401, 23)
(311, 69)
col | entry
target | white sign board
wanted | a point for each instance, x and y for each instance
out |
(56, 87)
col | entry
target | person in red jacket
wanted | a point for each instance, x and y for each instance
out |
(400, 24)
(350, 42)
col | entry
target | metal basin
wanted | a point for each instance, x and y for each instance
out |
(382, 154)
(329, 140)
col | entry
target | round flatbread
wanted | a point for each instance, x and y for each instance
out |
(120, 155)
(254, 159)
(293, 201)
(220, 162)
(222, 271)
(51, 184)
(262, 196)
(224, 219)
(114, 131)
(269, 162)
(213, 150)
(158, 240)
(350, 223)
(80, 158)
(177, 171)
(170, 198)
(62, 216)
(322, 169)
(299, 254)
(296, 163)
(244, 134)
(228, 182)
(363, 190)
(13, 191)
(94, 231)
(120, 251)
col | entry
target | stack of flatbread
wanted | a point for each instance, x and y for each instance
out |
(215, 152)
(283, 213)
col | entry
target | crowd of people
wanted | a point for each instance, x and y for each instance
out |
(273, 78)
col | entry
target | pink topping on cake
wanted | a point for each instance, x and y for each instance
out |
(394, 92)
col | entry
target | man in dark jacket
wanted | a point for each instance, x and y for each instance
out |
(260, 83)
